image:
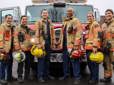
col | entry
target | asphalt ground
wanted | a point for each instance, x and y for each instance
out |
(68, 81)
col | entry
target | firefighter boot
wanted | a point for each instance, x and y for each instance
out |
(106, 80)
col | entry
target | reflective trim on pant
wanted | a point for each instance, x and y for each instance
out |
(107, 74)
(76, 68)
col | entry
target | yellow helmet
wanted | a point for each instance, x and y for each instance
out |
(96, 57)
(19, 56)
(37, 52)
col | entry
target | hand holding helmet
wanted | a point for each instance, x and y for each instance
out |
(3, 56)
(96, 57)
(76, 52)
(33, 40)
(37, 51)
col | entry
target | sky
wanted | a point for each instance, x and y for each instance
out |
(102, 5)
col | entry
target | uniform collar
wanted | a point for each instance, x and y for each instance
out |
(23, 26)
(69, 18)
(90, 22)
(109, 21)
(8, 25)
(44, 20)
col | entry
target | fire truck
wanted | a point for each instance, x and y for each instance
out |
(57, 12)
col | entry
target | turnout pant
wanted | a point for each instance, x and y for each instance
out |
(108, 65)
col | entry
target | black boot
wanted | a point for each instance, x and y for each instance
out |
(106, 80)
(20, 80)
(41, 80)
(12, 79)
(76, 82)
(93, 82)
(3, 82)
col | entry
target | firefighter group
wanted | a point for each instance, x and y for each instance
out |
(93, 43)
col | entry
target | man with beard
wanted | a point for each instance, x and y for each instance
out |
(72, 32)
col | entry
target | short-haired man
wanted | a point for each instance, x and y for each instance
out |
(6, 41)
(72, 32)
(108, 46)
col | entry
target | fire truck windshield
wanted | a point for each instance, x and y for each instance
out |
(14, 11)
(57, 14)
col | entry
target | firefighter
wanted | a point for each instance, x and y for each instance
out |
(72, 31)
(43, 27)
(92, 38)
(6, 44)
(23, 36)
(108, 29)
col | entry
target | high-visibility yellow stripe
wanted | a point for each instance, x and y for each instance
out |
(107, 74)
(1, 44)
(88, 47)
